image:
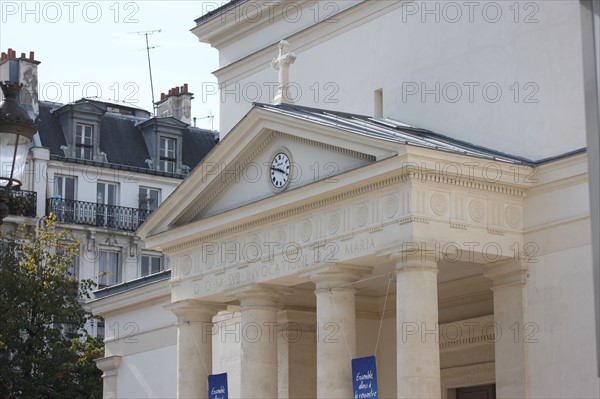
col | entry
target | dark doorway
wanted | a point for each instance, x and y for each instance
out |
(478, 392)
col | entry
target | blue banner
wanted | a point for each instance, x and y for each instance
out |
(364, 378)
(217, 386)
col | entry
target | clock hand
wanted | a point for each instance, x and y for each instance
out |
(278, 170)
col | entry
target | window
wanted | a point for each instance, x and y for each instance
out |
(100, 329)
(149, 198)
(106, 201)
(64, 187)
(84, 136)
(106, 193)
(110, 268)
(168, 155)
(73, 270)
(151, 264)
(63, 199)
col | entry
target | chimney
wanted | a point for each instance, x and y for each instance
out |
(176, 103)
(23, 70)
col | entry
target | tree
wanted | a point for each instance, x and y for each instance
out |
(44, 348)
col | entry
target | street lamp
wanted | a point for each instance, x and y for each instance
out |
(16, 132)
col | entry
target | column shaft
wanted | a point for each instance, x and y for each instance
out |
(336, 345)
(510, 318)
(418, 355)
(194, 347)
(259, 343)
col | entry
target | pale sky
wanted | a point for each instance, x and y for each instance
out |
(86, 49)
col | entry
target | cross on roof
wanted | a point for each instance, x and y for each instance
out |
(282, 64)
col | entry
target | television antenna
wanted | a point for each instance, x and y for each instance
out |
(148, 48)
(211, 117)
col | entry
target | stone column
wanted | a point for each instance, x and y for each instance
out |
(417, 335)
(258, 326)
(510, 320)
(297, 354)
(194, 346)
(336, 329)
(110, 367)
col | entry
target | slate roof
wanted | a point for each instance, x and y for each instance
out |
(50, 131)
(196, 145)
(389, 130)
(121, 140)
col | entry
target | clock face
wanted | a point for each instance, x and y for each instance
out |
(280, 170)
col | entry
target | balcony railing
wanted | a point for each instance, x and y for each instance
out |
(99, 215)
(22, 203)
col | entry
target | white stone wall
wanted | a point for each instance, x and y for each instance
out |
(146, 339)
(562, 348)
(340, 66)
(139, 374)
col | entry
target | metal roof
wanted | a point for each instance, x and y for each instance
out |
(389, 130)
(217, 11)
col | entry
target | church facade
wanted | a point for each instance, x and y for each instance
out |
(355, 206)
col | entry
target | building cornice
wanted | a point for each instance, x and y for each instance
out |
(360, 181)
(242, 19)
(304, 39)
(129, 299)
(86, 163)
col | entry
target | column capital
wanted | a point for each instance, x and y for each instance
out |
(413, 261)
(506, 272)
(336, 275)
(189, 310)
(256, 294)
(109, 365)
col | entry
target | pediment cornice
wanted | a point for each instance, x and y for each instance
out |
(359, 183)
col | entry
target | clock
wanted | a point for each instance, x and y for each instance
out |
(280, 170)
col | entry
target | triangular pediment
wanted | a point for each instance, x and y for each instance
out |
(82, 106)
(251, 177)
(238, 172)
(168, 122)
(327, 150)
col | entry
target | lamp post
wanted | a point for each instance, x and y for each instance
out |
(16, 132)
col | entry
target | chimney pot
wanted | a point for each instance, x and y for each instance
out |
(3, 57)
(10, 50)
(179, 108)
(23, 56)
(32, 55)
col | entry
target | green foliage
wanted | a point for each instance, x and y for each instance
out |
(46, 352)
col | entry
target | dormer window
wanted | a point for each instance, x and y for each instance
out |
(84, 139)
(168, 154)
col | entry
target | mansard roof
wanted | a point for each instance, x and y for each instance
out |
(121, 137)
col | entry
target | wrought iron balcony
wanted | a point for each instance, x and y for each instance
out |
(99, 215)
(22, 203)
